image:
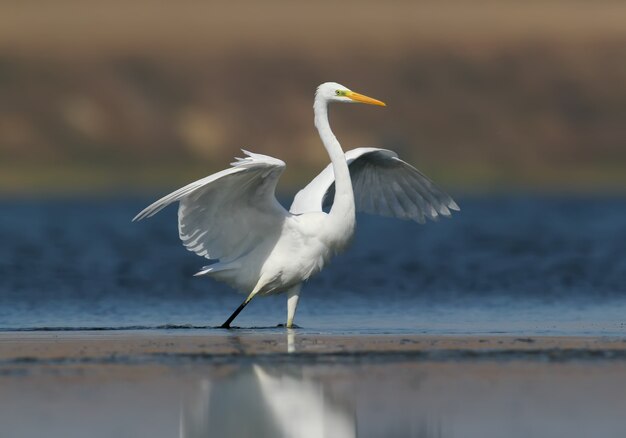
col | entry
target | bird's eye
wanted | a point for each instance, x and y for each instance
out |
(338, 92)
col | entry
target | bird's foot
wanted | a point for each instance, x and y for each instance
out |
(293, 326)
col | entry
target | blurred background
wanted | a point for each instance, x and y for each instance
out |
(139, 96)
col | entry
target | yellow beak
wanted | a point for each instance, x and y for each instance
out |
(364, 99)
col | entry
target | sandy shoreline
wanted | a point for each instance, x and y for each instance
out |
(92, 346)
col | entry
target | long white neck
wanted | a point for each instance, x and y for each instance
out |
(343, 206)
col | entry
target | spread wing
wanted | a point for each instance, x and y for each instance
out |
(383, 184)
(224, 215)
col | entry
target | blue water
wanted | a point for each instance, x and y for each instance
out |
(522, 264)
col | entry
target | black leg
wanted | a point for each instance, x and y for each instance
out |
(235, 313)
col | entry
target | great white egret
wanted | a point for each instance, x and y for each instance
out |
(258, 247)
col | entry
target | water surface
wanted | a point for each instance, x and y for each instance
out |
(504, 264)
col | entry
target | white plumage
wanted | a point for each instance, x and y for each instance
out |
(233, 217)
(383, 184)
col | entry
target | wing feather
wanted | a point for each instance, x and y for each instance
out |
(383, 184)
(224, 215)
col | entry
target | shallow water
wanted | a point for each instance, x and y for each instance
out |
(392, 399)
(524, 266)
(504, 264)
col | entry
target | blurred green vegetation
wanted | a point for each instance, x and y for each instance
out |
(481, 95)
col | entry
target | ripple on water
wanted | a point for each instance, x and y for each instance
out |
(521, 264)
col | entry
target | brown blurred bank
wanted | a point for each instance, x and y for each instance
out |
(143, 95)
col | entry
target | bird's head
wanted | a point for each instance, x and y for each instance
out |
(334, 92)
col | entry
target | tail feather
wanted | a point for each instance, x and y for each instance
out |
(214, 268)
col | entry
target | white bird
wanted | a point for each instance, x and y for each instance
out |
(233, 218)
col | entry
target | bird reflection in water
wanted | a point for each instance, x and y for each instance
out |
(291, 341)
(266, 401)
(261, 401)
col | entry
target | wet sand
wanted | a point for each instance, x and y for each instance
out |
(88, 346)
(193, 383)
